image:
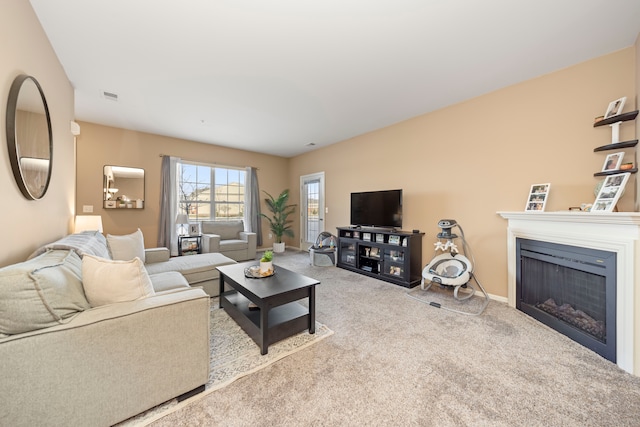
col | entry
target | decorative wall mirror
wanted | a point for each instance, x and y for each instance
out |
(29, 138)
(123, 187)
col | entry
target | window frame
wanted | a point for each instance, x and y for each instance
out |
(212, 205)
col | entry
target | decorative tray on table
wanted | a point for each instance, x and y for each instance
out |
(253, 272)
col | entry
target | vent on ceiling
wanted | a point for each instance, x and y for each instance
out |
(110, 96)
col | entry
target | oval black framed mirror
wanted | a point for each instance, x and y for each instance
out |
(29, 137)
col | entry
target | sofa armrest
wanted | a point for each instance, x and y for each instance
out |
(156, 255)
(252, 240)
(210, 243)
(126, 308)
(247, 236)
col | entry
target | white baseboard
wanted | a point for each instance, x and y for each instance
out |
(498, 298)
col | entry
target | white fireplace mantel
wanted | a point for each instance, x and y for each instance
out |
(617, 232)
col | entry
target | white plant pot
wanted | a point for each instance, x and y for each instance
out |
(278, 247)
(266, 267)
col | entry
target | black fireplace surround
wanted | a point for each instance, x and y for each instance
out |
(570, 289)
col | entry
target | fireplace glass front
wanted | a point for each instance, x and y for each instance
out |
(571, 290)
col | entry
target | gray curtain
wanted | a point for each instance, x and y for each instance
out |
(164, 224)
(167, 236)
(252, 219)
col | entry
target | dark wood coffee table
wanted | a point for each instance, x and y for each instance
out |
(278, 314)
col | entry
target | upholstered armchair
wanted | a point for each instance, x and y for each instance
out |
(229, 239)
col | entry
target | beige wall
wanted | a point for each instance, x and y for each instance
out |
(25, 49)
(99, 145)
(470, 160)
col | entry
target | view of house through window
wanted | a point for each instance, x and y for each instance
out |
(210, 192)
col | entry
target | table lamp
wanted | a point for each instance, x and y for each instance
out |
(182, 219)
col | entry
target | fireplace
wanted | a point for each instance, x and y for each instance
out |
(613, 232)
(570, 289)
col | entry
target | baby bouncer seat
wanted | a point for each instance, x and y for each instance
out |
(448, 269)
(451, 270)
(323, 252)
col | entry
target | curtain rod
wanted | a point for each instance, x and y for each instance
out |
(207, 163)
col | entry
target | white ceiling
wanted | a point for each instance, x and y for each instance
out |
(273, 76)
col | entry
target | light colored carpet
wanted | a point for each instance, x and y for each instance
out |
(233, 355)
(444, 296)
(395, 361)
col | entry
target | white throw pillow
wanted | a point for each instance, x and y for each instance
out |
(107, 281)
(127, 247)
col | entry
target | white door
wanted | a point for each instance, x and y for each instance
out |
(312, 208)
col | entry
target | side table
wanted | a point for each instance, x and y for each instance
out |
(189, 245)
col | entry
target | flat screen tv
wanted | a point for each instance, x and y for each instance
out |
(377, 209)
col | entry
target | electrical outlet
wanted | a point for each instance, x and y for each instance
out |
(87, 208)
(271, 235)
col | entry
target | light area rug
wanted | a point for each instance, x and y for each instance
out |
(233, 355)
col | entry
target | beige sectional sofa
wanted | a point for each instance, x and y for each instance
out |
(66, 362)
(229, 239)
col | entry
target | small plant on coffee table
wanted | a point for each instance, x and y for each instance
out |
(266, 266)
(267, 256)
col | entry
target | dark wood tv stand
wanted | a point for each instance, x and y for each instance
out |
(386, 254)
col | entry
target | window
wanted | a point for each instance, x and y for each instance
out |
(210, 192)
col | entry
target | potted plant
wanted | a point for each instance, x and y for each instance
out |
(266, 263)
(279, 223)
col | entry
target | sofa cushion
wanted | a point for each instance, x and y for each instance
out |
(41, 292)
(87, 242)
(127, 247)
(108, 281)
(195, 268)
(233, 245)
(224, 229)
(168, 281)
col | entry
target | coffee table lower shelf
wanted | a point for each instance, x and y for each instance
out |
(283, 321)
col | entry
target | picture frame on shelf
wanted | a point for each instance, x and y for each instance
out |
(610, 192)
(395, 271)
(394, 240)
(375, 252)
(613, 162)
(189, 245)
(615, 107)
(538, 195)
(366, 237)
(194, 229)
